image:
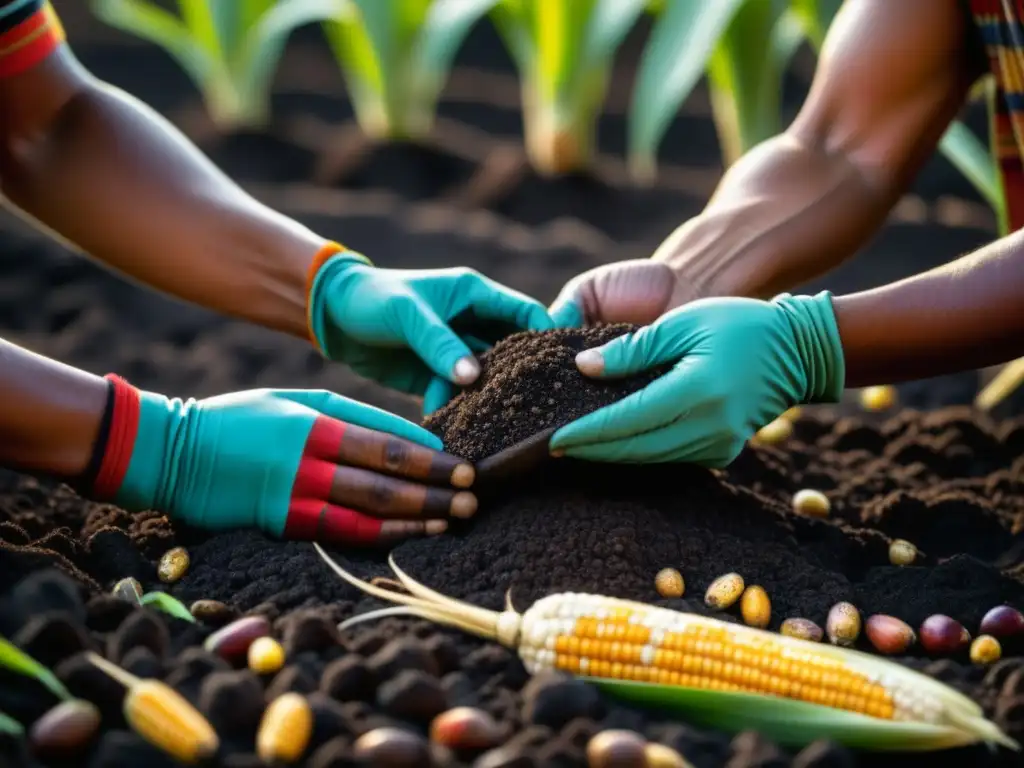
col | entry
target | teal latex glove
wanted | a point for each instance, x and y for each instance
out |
(296, 464)
(404, 328)
(738, 364)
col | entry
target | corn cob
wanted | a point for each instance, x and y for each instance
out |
(162, 716)
(610, 639)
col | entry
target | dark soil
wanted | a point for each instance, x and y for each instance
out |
(950, 480)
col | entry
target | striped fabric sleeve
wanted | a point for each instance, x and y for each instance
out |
(29, 32)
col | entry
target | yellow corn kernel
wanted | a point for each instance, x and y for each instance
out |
(165, 719)
(285, 729)
(265, 656)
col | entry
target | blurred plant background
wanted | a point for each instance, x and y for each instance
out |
(529, 139)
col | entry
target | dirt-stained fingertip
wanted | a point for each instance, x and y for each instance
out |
(464, 505)
(463, 476)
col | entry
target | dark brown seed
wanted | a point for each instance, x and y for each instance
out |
(128, 590)
(234, 639)
(213, 612)
(617, 749)
(465, 728)
(1002, 622)
(941, 635)
(65, 729)
(392, 747)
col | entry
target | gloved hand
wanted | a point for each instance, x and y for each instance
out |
(636, 291)
(296, 464)
(738, 364)
(403, 327)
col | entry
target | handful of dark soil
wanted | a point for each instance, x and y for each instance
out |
(529, 383)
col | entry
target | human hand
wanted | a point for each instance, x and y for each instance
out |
(637, 291)
(296, 464)
(407, 327)
(738, 364)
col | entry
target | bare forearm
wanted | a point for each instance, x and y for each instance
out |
(114, 178)
(786, 213)
(963, 315)
(49, 413)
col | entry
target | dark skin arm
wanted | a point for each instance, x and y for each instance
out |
(891, 78)
(111, 176)
(957, 317)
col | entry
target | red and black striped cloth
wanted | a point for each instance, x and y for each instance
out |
(29, 32)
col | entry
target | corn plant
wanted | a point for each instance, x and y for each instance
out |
(229, 48)
(564, 50)
(395, 56)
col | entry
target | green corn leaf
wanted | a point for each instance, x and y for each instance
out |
(793, 723)
(974, 160)
(609, 23)
(149, 22)
(512, 21)
(16, 660)
(10, 726)
(201, 21)
(446, 25)
(816, 17)
(360, 63)
(673, 61)
(266, 37)
(170, 605)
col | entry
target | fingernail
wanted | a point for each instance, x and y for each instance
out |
(590, 362)
(463, 505)
(463, 476)
(434, 527)
(466, 371)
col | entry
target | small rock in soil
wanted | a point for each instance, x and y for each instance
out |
(348, 679)
(553, 700)
(412, 695)
(399, 655)
(51, 637)
(291, 678)
(233, 703)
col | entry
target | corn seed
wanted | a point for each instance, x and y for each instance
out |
(173, 565)
(265, 655)
(811, 503)
(1002, 621)
(465, 728)
(985, 650)
(888, 634)
(616, 749)
(724, 591)
(879, 398)
(941, 635)
(902, 552)
(234, 639)
(774, 432)
(843, 625)
(669, 583)
(803, 629)
(755, 607)
(285, 729)
(393, 747)
(65, 729)
(129, 590)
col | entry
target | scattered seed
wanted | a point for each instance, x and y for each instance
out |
(173, 565)
(888, 634)
(212, 612)
(880, 398)
(465, 728)
(65, 729)
(985, 650)
(793, 413)
(942, 635)
(265, 656)
(804, 629)
(617, 749)
(669, 583)
(774, 432)
(843, 624)
(724, 591)
(285, 729)
(902, 552)
(393, 747)
(755, 607)
(234, 639)
(811, 503)
(1002, 621)
(660, 756)
(129, 590)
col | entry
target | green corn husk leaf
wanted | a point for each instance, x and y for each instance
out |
(793, 723)
(16, 660)
(10, 726)
(676, 56)
(168, 604)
